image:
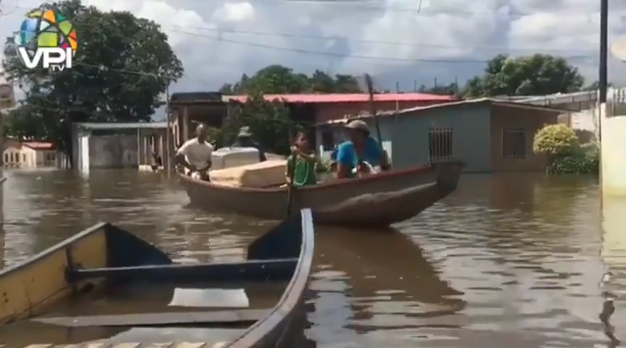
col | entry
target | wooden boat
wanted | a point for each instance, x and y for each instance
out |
(374, 201)
(105, 257)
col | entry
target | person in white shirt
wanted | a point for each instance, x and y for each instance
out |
(195, 155)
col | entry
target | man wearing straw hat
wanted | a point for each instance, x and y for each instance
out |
(360, 153)
(245, 139)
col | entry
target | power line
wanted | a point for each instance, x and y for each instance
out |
(183, 29)
(219, 31)
(305, 51)
(417, 10)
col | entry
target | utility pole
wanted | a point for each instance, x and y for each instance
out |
(604, 48)
(168, 135)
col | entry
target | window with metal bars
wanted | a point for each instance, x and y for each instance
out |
(440, 144)
(513, 143)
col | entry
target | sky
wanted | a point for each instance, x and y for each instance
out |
(402, 43)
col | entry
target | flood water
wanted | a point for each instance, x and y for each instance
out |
(509, 260)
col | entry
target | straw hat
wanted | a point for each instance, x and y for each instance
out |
(358, 125)
(244, 132)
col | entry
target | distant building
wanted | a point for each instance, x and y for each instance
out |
(488, 135)
(29, 154)
(118, 145)
(212, 108)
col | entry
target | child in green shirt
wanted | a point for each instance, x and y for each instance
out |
(301, 163)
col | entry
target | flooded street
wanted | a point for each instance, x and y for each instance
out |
(509, 260)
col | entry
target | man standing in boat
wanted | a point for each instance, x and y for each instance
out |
(195, 155)
(361, 151)
(245, 139)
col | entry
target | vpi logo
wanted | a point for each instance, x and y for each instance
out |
(46, 39)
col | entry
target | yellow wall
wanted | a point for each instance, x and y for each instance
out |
(27, 288)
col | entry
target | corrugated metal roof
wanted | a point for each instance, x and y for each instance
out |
(513, 104)
(37, 145)
(561, 98)
(137, 125)
(187, 97)
(346, 98)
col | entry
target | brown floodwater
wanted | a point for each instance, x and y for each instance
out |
(511, 260)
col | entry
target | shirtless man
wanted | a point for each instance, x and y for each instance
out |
(195, 154)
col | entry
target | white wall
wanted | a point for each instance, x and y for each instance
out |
(613, 147)
(114, 151)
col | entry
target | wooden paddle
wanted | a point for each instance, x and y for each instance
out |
(291, 173)
(370, 90)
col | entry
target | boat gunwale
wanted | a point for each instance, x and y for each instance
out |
(289, 298)
(423, 169)
(49, 251)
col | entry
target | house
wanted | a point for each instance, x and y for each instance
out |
(488, 135)
(28, 154)
(211, 108)
(119, 145)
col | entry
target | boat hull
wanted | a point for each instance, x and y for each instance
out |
(30, 287)
(375, 201)
(95, 256)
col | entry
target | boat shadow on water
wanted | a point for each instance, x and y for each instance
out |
(388, 276)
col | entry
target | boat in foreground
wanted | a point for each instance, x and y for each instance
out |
(71, 276)
(373, 201)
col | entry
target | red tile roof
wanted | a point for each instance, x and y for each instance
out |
(349, 98)
(35, 145)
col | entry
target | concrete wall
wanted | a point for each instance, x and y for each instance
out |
(470, 136)
(613, 146)
(528, 120)
(113, 151)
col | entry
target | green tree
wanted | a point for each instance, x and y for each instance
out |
(278, 79)
(121, 70)
(269, 122)
(451, 89)
(538, 74)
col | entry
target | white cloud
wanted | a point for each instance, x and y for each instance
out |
(218, 40)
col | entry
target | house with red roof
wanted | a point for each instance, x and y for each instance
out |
(28, 154)
(487, 135)
(212, 107)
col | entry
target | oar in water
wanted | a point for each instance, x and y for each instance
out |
(291, 173)
(290, 189)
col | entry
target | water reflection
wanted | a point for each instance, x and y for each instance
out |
(507, 260)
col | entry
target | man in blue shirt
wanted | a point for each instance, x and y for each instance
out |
(361, 147)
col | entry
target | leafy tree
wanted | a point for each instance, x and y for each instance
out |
(594, 86)
(556, 140)
(451, 89)
(122, 67)
(277, 79)
(269, 122)
(538, 74)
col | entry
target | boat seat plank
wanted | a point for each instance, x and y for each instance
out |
(160, 319)
(246, 270)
